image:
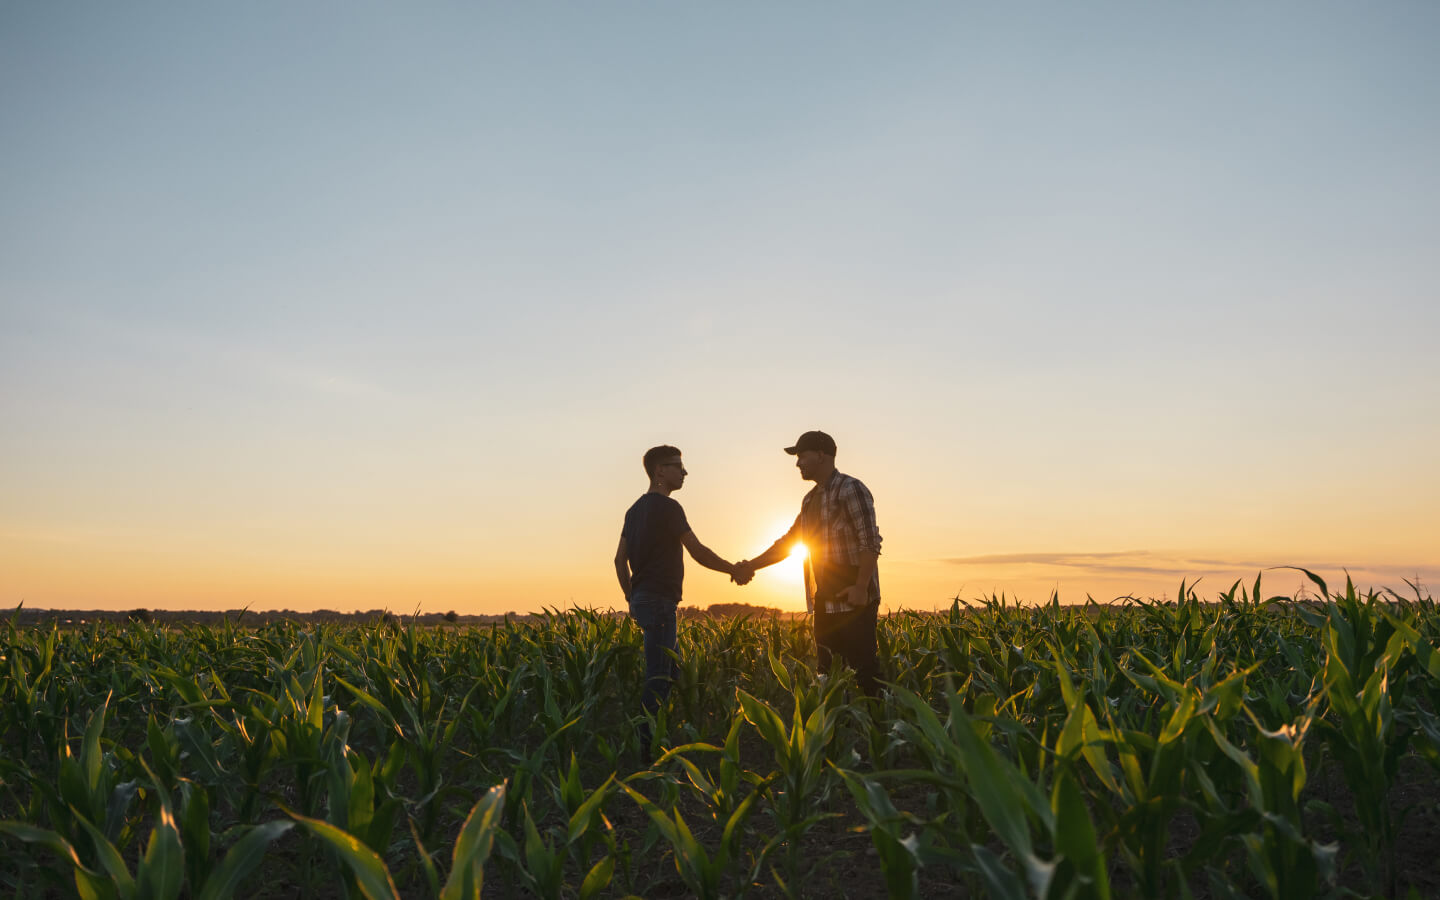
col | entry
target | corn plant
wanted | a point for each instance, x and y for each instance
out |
(1016, 749)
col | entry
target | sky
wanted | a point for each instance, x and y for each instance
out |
(319, 306)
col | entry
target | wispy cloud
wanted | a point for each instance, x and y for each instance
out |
(1044, 559)
(1179, 565)
(1115, 562)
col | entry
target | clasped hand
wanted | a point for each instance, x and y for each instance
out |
(742, 572)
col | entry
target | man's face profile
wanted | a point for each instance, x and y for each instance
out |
(807, 461)
(670, 473)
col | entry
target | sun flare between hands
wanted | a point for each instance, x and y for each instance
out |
(791, 570)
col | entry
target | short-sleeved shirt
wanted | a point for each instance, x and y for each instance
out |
(654, 525)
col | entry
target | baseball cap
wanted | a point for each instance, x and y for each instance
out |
(813, 440)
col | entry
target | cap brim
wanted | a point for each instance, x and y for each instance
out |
(793, 451)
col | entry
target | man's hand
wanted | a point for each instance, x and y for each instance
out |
(855, 595)
(742, 572)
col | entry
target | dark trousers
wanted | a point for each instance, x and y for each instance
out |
(655, 614)
(849, 635)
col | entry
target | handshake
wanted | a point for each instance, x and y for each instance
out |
(741, 572)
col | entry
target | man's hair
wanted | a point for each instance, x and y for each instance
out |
(656, 455)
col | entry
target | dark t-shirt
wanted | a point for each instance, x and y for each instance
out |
(654, 525)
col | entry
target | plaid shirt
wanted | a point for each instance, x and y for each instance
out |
(836, 524)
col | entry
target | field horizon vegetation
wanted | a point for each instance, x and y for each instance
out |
(1241, 746)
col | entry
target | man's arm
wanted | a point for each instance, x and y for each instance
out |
(779, 550)
(705, 556)
(622, 568)
(869, 559)
(859, 507)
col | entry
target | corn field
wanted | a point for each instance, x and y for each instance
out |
(1233, 748)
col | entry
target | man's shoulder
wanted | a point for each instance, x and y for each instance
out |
(665, 505)
(850, 486)
(651, 497)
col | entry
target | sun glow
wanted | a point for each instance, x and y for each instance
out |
(791, 570)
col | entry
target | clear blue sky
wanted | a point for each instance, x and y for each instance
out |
(325, 306)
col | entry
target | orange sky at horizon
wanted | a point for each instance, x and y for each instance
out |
(405, 546)
(118, 575)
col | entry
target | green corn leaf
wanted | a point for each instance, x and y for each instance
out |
(598, 878)
(315, 707)
(1428, 656)
(110, 859)
(195, 832)
(765, 720)
(432, 875)
(89, 885)
(586, 813)
(369, 870)
(657, 816)
(1158, 682)
(571, 792)
(93, 887)
(544, 864)
(162, 869)
(1248, 768)
(782, 674)
(995, 785)
(687, 849)
(899, 862)
(45, 838)
(1081, 733)
(1000, 882)
(1130, 748)
(697, 776)
(196, 743)
(1227, 697)
(738, 817)
(447, 736)
(361, 800)
(472, 847)
(368, 700)
(91, 758)
(1075, 836)
(936, 738)
(164, 750)
(1184, 710)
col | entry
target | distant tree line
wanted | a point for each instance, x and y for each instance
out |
(379, 617)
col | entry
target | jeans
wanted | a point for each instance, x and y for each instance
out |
(655, 614)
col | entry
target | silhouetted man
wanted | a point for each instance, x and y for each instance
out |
(837, 525)
(651, 569)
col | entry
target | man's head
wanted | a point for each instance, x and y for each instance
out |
(664, 468)
(814, 455)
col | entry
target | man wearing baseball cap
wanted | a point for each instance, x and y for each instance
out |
(837, 525)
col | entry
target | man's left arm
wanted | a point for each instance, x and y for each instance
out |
(869, 561)
(860, 511)
(622, 567)
(705, 556)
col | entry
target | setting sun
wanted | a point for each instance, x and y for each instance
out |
(792, 569)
